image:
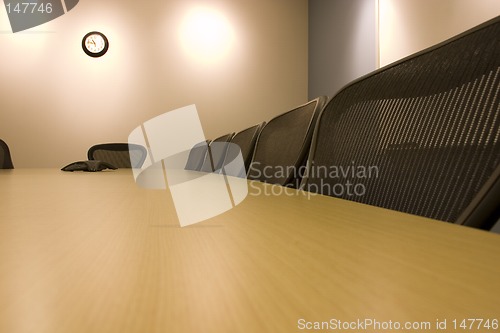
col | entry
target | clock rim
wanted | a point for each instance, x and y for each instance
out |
(98, 54)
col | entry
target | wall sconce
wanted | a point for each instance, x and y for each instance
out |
(206, 35)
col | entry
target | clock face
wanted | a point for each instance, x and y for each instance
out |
(95, 44)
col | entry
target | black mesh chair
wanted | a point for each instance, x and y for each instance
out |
(420, 136)
(197, 156)
(5, 158)
(246, 140)
(120, 155)
(283, 144)
(216, 153)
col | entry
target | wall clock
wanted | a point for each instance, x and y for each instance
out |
(95, 44)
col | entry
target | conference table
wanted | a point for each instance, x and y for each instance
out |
(94, 252)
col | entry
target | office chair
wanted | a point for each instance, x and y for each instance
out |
(283, 144)
(197, 156)
(216, 153)
(421, 135)
(496, 227)
(246, 140)
(120, 155)
(5, 158)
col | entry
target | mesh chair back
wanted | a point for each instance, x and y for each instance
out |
(419, 136)
(5, 158)
(246, 140)
(197, 156)
(216, 153)
(283, 144)
(120, 155)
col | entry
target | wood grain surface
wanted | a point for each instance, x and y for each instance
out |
(93, 252)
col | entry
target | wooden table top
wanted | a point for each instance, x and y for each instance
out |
(93, 252)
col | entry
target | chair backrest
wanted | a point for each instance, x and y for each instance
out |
(197, 156)
(5, 158)
(120, 155)
(283, 144)
(496, 227)
(246, 140)
(216, 152)
(420, 136)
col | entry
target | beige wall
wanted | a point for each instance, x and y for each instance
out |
(342, 43)
(55, 101)
(408, 26)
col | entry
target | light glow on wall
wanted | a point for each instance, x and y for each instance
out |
(206, 35)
